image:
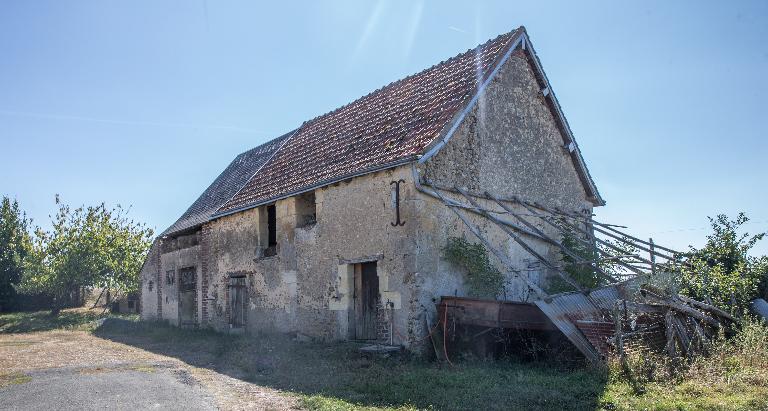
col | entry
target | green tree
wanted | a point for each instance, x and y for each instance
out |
(15, 245)
(723, 272)
(86, 247)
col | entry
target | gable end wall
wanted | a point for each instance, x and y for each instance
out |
(510, 145)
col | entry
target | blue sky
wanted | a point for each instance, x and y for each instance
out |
(143, 103)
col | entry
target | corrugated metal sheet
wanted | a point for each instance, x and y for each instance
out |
(564, 310)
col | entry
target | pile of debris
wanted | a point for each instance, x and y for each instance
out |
(628, 311)
(670, 323)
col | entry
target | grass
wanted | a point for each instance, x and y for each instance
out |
(98, 370)
(13, 378)
(734, 376)
(688, 395)
(467, 386)
(336, 377)
(35, 321)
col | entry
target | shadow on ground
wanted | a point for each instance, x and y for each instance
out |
(337, 375)
(34, 321)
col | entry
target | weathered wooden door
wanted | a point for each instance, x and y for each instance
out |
(366, 300)
(237, 302)
(187, 296)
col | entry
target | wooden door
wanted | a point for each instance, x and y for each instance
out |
(187, 296)
(366, 301)
(237, 302)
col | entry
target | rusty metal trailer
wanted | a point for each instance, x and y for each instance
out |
(493, 314)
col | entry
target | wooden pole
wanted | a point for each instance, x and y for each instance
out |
(501, 256)
(564, 276)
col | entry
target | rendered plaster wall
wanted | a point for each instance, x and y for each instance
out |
(149, 283)
(307, 287)
(173, 261)
(509, 145)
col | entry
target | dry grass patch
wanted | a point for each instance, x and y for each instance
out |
(734, 376)
(13, 378)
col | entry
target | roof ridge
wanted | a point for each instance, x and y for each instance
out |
(265, 144)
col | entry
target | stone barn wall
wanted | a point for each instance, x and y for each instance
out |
(178, 253)
(305, 287)
(508, 145)
(149, 283)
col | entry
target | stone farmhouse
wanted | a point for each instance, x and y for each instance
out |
(330, 230)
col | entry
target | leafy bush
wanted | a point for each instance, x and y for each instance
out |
(15, 245)
(483, 279)
(587, 249)
(723, 272)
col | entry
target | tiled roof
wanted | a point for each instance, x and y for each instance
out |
(234, 177)
(392, 125)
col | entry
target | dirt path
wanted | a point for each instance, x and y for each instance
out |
(50, 356)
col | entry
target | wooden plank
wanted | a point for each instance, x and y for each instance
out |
(548, 220)
(358, 296)
(558, 244)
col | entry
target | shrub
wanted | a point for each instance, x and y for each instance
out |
(723, 272)
(482, 278)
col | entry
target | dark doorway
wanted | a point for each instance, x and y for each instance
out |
(237, 302)
(271, 249)
(187, 297)
(272, 225)
(366, 300)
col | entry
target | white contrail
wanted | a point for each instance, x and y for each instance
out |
(49, 116)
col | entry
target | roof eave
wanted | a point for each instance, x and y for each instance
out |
(313, 187)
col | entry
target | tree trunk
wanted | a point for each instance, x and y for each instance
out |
(56, 308)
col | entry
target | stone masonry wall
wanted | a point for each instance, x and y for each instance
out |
(173, 261)
(305, 288)
(509, 145)
(149, 287)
